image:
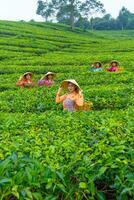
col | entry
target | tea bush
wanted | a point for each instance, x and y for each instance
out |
(46, 153)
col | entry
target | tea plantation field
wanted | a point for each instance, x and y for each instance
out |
(48, 154)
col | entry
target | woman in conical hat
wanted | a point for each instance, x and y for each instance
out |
(97, 66)
(114, 66)
(47, 79)
(72, 98)
(25, 80)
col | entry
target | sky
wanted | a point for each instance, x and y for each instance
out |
(26, 9)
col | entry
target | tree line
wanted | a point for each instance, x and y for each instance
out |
(125, 20)
(78, 13)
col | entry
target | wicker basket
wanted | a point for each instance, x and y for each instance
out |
(86, 107)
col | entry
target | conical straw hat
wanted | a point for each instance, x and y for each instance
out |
(114, 61)
(22, 76)
(64, 84)
(48, 73)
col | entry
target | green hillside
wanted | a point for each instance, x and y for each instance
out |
(48, 154)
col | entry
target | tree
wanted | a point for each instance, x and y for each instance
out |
(123, 17)
(104, 23)
(69, 11)
(130, 24)
(77, 10)
(64, 14)
(45, 9)
(83, 23)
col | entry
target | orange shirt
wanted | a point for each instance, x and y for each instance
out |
(24, 82)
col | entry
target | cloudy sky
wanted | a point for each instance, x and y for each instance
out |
(26, 9)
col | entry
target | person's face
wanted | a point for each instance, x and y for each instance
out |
(71, 87)
(97, 65)
(28, 76)
(114, 64)
(50, 76)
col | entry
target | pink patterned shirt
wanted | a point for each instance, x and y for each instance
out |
(45, 82)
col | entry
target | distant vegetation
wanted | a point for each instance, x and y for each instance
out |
(79, 14)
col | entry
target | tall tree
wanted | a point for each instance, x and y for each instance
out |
(45, 9)
(130, 24)
(69, 10)
(67, 14)
(80, 9)
(123, 17)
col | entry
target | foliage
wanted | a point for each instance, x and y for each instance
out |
(123, 21)
(46, 153)
(79, 14)
(68, 11)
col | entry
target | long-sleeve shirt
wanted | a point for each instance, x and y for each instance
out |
(25, 83)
